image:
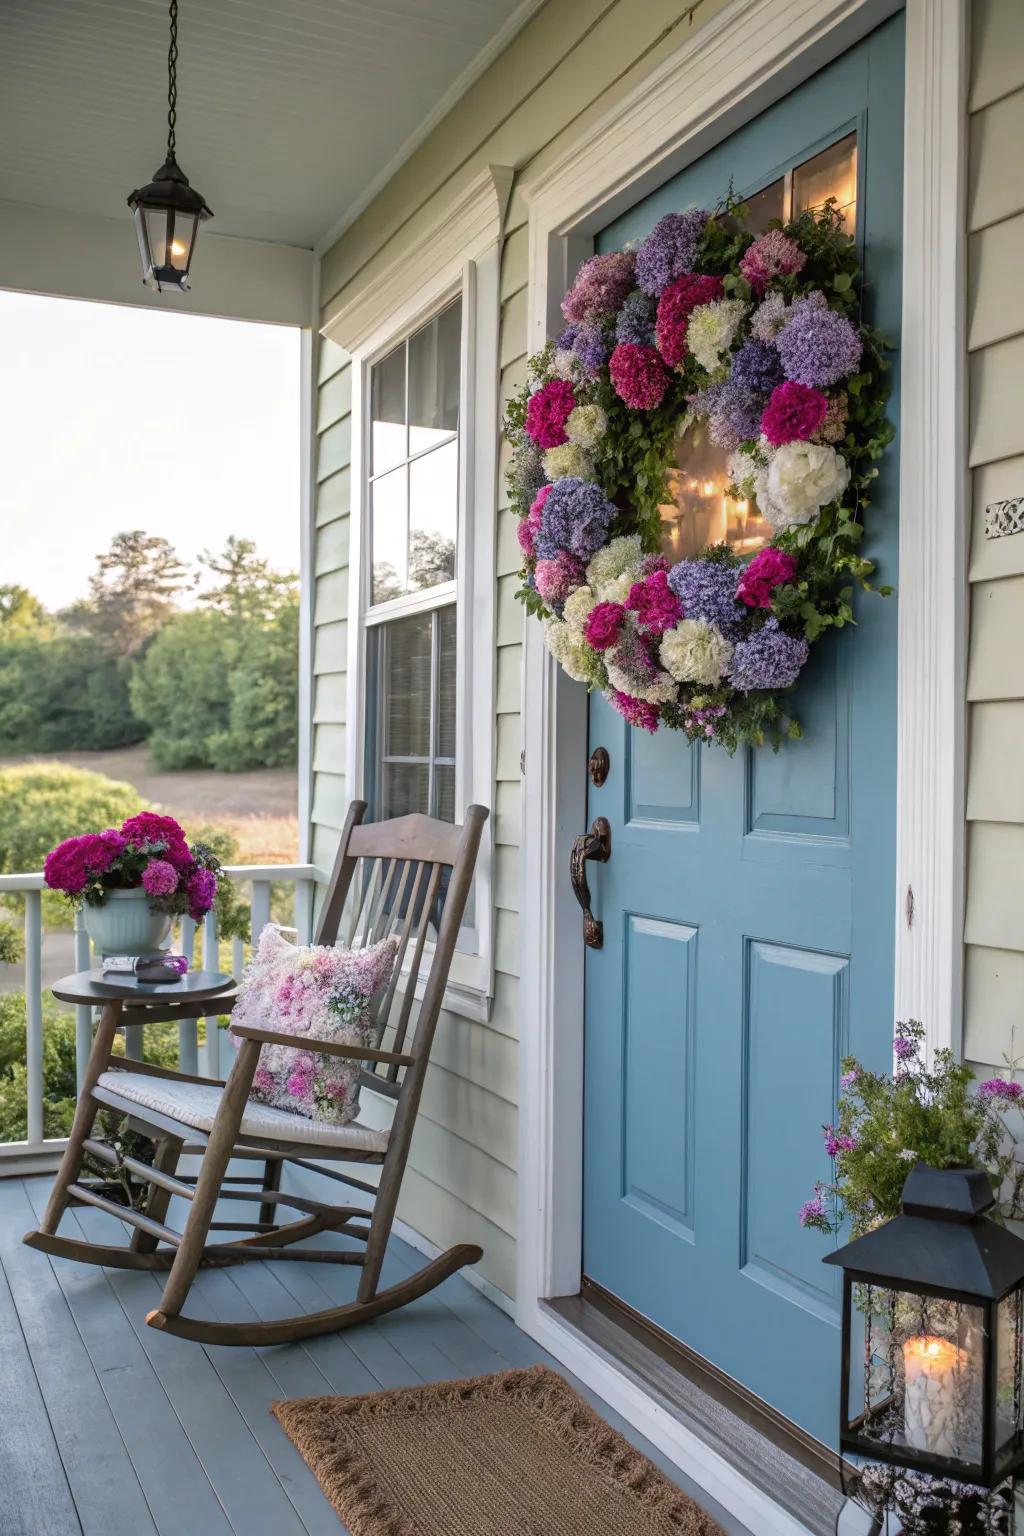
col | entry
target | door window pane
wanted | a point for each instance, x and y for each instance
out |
(832, 173)
(768, 204)
(433, 514)
(406, 681)
(388, 497)
(387, 394)
(434, 380)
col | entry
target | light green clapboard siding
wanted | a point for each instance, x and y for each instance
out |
(569, 63)
(994, 930)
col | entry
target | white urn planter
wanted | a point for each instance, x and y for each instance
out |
(122, 924)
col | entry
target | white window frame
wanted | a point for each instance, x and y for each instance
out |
(458, 255)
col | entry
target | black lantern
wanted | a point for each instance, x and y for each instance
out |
(168, 212)
(932, 1308)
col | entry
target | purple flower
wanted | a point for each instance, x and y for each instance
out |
(818, 347)
(590, 345)
(733, 415)
(566, 339)
(635, 325)
(903, 1049)
(707, 590)
(756, 368)
(600, 286)
(201, 888)
(812, 1212)
(996, 1088)
(575, 518)
(770, 658)
(848, 1078)
(837, 1141)
(634, 711)
(670, 249)
(159, 877)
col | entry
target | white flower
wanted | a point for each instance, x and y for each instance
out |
(586, 425)
(800, 479)
(695, 652)
(769, 318)
(711, 329)
(566, 365)
(742, 468)
(569, 650)
(568, 459)
(616, 560)
(577, 606)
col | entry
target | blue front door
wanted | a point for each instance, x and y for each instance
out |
(748, 905)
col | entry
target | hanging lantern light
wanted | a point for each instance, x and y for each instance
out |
(932, 1353)
(168, 212)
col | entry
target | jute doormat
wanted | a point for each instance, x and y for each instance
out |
(516, 1454)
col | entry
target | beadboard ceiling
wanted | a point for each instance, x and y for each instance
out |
(290, 112)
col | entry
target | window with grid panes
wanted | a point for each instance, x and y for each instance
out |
(412, 593)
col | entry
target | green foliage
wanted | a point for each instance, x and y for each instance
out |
(132, 592)
(62, 694)
(21, 613)
(250, 588)
(231, 909)
(221, 692)
(59, 1082)
(12, 946)
(41, 803)
(887, 1123)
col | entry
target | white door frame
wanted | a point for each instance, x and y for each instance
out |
(740, 62)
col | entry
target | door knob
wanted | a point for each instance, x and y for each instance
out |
(595, 844)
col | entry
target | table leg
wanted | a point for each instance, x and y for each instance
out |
(85, 1114)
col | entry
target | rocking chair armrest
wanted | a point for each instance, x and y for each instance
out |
(321, 1047)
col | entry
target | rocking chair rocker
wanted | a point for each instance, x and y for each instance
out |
(402, 876)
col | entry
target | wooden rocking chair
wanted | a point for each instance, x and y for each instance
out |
(395, 877)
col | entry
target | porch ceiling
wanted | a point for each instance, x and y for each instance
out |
(290, 112)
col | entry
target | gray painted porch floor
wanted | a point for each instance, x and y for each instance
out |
(109, 1428)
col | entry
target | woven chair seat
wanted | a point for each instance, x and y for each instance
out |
(196, 1104)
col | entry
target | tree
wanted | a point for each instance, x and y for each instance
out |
(61, 694)
(250, 587)
(180, 687)
(132, 592)
(21, 613)
(263, 711)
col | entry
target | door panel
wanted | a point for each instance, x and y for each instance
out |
(748, 905)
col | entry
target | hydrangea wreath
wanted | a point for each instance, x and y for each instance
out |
(756, 342)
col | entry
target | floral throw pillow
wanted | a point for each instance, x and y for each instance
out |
(314, 992)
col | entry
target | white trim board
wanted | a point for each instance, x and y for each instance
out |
(736, 66)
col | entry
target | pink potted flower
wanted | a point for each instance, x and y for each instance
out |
(132, 881)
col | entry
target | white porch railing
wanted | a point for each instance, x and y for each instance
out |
(37, 1152)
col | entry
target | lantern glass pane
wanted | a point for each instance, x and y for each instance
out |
(923, 1385)
(1009, 1349)
(156, 222)
(180, 246)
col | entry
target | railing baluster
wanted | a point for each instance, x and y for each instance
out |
(210, 963)
(259, 909)
(34, 1013)
(83, 1013)
(188, 1030)
(304, 894)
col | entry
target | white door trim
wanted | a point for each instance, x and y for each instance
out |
(734, 67)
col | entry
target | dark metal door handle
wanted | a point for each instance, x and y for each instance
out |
(595, 844)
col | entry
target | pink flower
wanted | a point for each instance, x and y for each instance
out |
(793, 411)
(655, 604)
(634, 711)
(159, 877)
(558, 577)
(774, 255)
(600, 286)
(148, 827)
(603, 625)
(300, 1082)
(73, 863)
(547, 411)
(638, 375)
(113, 840)
(674, 308)
(526, 536)
(769, 569)
(263, 1081)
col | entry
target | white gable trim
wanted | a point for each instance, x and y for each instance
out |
(742, 61)
(420, 262)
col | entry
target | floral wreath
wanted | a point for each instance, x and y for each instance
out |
(756, 344)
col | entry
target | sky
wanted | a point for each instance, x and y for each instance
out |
(114, 418)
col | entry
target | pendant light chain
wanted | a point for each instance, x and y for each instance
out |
(172, 81)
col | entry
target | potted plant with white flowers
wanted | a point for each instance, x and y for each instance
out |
(132, 881)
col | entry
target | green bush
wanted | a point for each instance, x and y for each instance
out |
(218, 691)
(42, 803)
(161, 1047)
(62, 695)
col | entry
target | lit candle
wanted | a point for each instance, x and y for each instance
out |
(931, 1368)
